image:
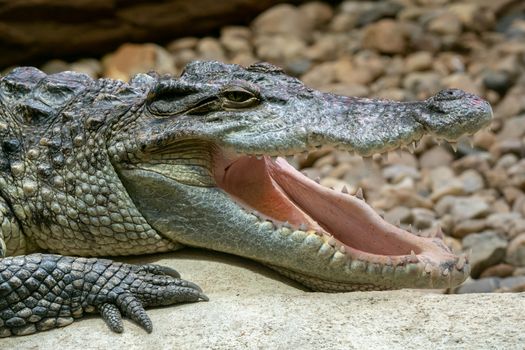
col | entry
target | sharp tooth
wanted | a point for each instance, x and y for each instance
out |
(415, 144)
(287, 224)
(461, 262)
(445, 272)
(359, 194)
(317, 179)
(471, 142)
(439, 233)
(453, 145)
(303, 227)
(342, 249)
(259, 157)
(398, 222)
(413, 256)
(274, 158)
(332, 241)
(344, 189)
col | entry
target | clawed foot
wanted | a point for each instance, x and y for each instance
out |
(42, 291)
(147, 285)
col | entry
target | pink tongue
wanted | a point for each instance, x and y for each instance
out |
(347, 218)
(248, 180)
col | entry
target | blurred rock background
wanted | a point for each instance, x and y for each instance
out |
(394, 49)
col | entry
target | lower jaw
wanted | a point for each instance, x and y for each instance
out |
(393, 259)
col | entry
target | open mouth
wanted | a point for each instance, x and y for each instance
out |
(273, 190)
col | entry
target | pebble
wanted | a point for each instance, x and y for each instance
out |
(472, 181)
(435, 157)
(464, 208)
(466, 227)
(498, 270)
(286, 20)
(130, 59)
(444, 182)
(386, 36)
(516, 251)
(488, 249)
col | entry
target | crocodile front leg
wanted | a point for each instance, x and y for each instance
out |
(43, 291)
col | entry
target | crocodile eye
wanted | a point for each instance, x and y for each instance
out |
(237, 97)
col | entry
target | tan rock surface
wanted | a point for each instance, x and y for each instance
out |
(251, 307)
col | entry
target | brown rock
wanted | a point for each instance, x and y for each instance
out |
(131, 59)
(319, 75)
(445, 23)
(435, 157)
(399, 215)
(55, 66)
(422, 84)
(472, 181)
(488, 249)
(279, 49)
(318, 13)
(464, 228)
(423, 218)
(347, 72)
(516, 251)
(386, 36)
(484, 139)
(513, 128)
(464, 208)
(284, 19)
(462, 81)
(89, 66)
(418, 61)
(473, 16)
(210, 49)
(324, 49)
(499, 270)
(236, 39)
(187, 43)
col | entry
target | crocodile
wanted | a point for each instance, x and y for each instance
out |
(92, 168)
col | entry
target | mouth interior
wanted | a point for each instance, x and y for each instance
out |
(276, 191)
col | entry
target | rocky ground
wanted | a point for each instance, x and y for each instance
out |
(403, 50)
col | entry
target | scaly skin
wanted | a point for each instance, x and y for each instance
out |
(97, 168)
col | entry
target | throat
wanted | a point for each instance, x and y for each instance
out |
(186, 161)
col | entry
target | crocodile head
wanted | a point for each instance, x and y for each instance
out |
(203, 166)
